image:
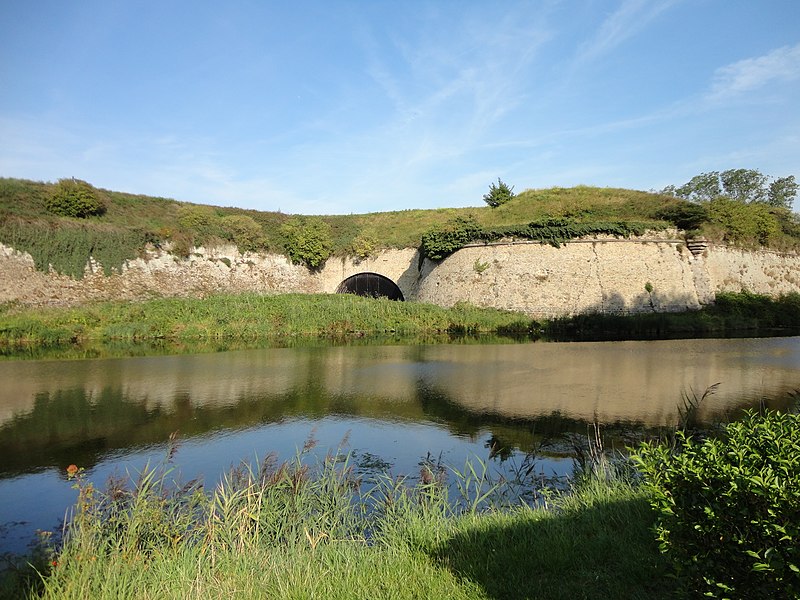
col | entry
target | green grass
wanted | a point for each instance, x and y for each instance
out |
(246, 317)
(311, 529)
(227, 321)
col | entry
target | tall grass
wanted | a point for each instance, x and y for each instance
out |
(247, 317)
(313, 527)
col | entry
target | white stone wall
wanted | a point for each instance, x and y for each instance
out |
(594, 275)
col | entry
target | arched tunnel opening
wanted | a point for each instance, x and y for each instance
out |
(371, 285)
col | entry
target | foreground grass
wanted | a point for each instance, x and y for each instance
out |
(313, 531)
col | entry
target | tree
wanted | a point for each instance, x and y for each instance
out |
(700, 187)
(740, 185)
(744, 185)
(498, 194)
(782, 192)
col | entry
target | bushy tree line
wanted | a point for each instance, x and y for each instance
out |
(742, 185)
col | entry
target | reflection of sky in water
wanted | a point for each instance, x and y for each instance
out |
(398, 404)
(39, 500)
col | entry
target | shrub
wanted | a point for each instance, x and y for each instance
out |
(75, 198)
(684, 214)
(202, 221)
(243, 231)
(443, 240)
(744, 223)
(498, 194)
(729, 506)
(364, 246)
(307, 241)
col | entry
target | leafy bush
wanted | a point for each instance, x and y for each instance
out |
(729, 507)
(364, 246)
(443, 240)
(744, 223)
(243, 231)
(202, 221)
(75, 198)
(684, 214)
(498, 194)
(307, 241)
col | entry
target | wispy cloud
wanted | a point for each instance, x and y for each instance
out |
(629, 19)
(781, 65)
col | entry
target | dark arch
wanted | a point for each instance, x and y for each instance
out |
(370, 284)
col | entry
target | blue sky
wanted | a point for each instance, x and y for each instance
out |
(328, 107)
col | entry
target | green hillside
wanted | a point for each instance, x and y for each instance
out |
(127, 222)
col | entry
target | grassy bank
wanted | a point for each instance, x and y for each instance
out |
(247, 317)
(312, 529)
(234, 321)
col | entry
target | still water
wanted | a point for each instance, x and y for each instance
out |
(392, 405)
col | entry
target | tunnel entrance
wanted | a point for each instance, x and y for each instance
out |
(372, 285)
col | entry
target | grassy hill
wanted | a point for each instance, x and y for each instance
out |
(131, 221)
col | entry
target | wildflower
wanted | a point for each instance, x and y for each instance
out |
(72, 470)
(54, 563)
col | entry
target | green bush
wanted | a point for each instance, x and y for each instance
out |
(243, 231)
(307, 241)
(202, 221)
(729, 506)
(75, 198)
(364, 246)
(443, 240)
(744, 223)
(684, 214)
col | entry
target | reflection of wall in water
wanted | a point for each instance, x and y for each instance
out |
(611, 381)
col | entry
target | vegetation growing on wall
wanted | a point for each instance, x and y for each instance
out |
(439, 242)
(67, 247)
(308, 241)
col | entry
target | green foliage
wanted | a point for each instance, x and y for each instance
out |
(684, 214)
(744, 223)
(243, 231)
(729, 507)
(443, 240)
(202, 221)
(782, 192)
(308, 241)
(741, 185)
(67, 248)
(75, 198)
(498, 194)
(364, 246)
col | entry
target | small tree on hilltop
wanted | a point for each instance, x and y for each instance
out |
(498, 194)
(75, 198)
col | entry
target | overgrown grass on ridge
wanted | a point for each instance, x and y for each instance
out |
(311, 528)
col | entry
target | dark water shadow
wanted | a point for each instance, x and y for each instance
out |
(606, 550)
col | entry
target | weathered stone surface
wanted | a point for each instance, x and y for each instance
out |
(653, 273)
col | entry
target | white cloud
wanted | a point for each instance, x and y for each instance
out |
(751, 74)
(631, 17)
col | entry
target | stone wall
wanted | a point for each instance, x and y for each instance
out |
(653, 273)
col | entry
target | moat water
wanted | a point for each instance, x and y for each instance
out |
(393, 406)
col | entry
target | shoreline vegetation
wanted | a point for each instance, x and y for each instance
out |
(690, 513)
(228, 321)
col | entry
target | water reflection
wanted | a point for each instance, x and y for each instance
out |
(397, 402)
